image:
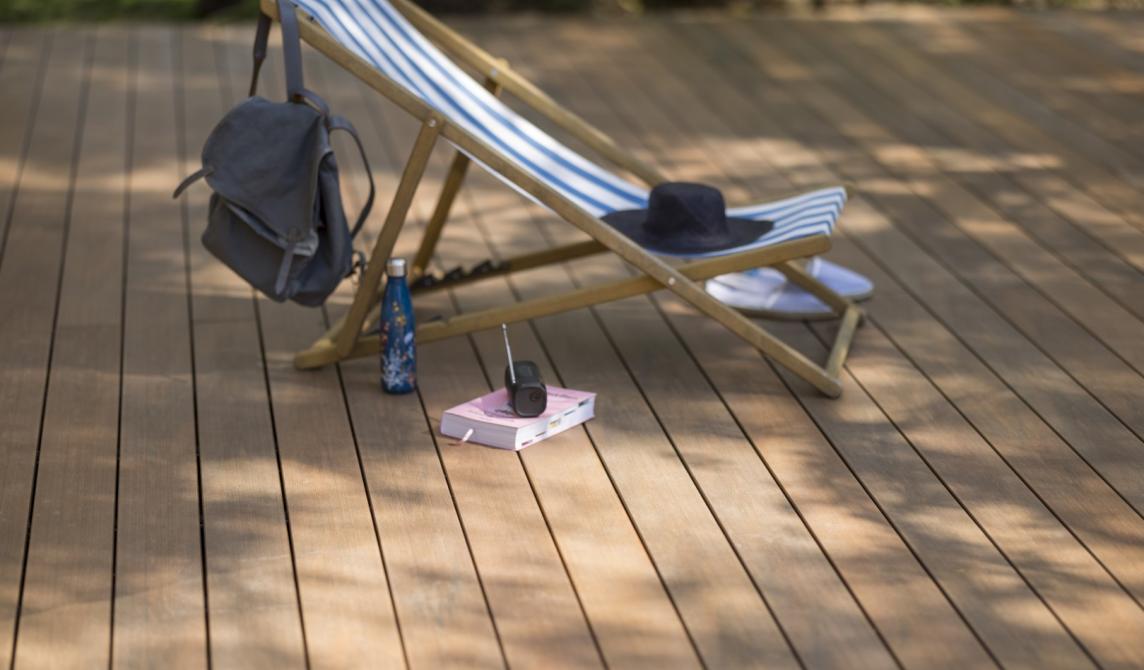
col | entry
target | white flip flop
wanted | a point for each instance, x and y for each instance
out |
(765, 292)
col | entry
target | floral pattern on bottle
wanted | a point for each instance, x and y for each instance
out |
(398, 349)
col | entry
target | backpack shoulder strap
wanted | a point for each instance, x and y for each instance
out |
(261, 36)
(192, 178)
(291, 49)
(340, 123)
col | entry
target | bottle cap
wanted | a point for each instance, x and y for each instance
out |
(395, 267)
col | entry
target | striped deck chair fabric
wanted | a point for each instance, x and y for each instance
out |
(379, 34)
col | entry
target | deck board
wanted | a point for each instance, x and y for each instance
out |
(615, 581)
(71, 542)
(173, 493)
(966, 363)
(929, 210)
(749, 503)
(490, 345)
(534, 604)
(1058, 166)
(963, 307)
(160, 602)
(246, 544)
(727, 620)
(1109, 45)
(22, 73)
(1061, 77)
(919, 481)
(1095, 165)
(1011, 192)
(439, 597)
(343, 593)
(931, 545)
(29, 281)
(982, 222)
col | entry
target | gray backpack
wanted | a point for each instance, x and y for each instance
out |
(276, 214)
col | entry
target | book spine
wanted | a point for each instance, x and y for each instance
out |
(569, 419)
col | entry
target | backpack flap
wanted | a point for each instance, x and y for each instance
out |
(264, 157)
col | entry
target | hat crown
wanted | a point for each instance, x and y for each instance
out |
(682, 218)
(684, 208)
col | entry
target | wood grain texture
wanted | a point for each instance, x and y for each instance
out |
(709, 351)
(342, 585)
(934, 554)
(1012, 427)
(984, 162)
(631, 614)
(29, 279)
(713, 592)
(1020, 117)
(1056, 175)
(1061, 79)
(160, 603)
(1050, 522)
(986, 219)
(66, 615)
(974, 499)
(1106, 41)
(934, 218)
(1087, 600)
(532, 600)
(736, 483)
(1054, 394)
(254, 615)
(437, 593)
(1052, 109)
(25, 55)
(682, 537)
(530, 595)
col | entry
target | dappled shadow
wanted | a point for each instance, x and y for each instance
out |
(977, 487)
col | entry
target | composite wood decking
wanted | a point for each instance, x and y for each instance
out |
(174, 494)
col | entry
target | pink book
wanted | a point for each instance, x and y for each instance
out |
(493, 422)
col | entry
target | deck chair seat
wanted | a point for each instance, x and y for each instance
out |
(379, 34)
(400, 51)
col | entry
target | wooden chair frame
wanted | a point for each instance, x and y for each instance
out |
(346, 339)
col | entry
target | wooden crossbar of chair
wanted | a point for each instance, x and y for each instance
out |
(347, 339)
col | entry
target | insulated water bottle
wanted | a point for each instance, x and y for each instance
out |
(398, 351)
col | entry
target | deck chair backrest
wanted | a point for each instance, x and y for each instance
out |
(379, 34)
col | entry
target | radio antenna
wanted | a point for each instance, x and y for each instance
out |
(508, 353)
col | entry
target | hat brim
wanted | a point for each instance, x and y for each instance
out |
(630, 222)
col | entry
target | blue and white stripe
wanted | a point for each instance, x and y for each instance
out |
(380, 35)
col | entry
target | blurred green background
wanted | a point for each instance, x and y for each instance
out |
(35, 10)
(83, 10)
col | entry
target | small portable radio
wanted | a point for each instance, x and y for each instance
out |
(527, 393)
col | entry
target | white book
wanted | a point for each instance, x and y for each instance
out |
(493, 422)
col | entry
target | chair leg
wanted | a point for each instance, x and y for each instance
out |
(690, 292)
(825, 378)
(777, 350)
(367, 292)
(850, 313)
(432, 234)
(841, 347)
(453, 181)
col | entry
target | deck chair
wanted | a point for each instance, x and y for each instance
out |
(400, 50)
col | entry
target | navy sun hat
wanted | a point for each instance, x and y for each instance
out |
(686, 218)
